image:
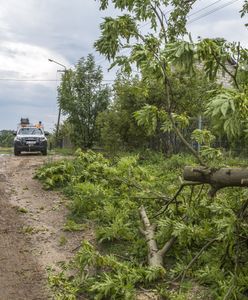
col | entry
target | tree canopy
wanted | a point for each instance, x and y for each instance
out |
(167, 47)
(82, 96)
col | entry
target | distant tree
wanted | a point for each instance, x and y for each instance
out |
(6, 138)
(82, 97)
(117, 125)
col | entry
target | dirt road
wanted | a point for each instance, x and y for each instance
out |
(31, 230)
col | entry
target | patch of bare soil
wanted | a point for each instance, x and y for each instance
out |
(31, 230)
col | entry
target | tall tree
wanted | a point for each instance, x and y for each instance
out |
(160, 50)
(117, 125)
(82, 97)
(148, 51)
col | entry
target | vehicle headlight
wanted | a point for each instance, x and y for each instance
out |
(18, 139)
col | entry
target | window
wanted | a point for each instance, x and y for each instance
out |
(30, 131)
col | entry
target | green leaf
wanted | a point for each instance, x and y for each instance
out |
(224, 107)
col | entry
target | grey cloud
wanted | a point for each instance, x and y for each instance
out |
(25, 99)
(58, 24)
(8, 74)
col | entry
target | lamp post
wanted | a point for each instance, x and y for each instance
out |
(59, 113)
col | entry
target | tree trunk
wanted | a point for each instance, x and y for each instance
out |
(217, 178)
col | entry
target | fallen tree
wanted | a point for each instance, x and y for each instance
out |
(155, 255)
(216, 178)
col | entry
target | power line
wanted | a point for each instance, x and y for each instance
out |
(15, 79)
(42, 80)
(205, 7)
(213, 11)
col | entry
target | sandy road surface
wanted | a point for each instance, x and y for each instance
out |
(31, 230)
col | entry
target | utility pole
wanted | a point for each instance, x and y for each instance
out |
(59, 113)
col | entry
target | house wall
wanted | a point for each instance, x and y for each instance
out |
(224, 78)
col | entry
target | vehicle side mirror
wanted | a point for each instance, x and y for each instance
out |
(46, 133)
(14, 133)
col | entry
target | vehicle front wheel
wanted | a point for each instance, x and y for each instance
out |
(16, 152)
(44, 152)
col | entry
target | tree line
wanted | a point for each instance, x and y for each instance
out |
(6, 138)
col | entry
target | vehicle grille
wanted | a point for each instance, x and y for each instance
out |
(31, 140)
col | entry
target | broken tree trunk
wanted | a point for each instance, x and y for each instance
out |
(217, 178)
(155, 256)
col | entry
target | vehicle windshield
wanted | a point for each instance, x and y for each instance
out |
(30, 131)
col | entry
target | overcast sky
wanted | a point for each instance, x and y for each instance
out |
(31, 31)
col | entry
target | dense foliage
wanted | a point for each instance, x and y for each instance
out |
(6, 138)
(210, 253)
(82, 96)
(118, 125)
(118, 128)
(162, 51)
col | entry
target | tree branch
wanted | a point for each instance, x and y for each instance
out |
(226, 70)
(155, 256)
(168, 245)
(183, 140)
(183, 274)
(174, 198)
(160, 19)
(237, 62)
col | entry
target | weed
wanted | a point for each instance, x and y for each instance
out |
(28, 230)
(71, 225)
(62, 240)
(22, 210)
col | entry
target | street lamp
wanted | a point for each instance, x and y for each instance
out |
(58, 122)
(54, 61)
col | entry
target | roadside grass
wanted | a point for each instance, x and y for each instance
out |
(6, 150)
(55, 151)
(71, 226)
(62, 151)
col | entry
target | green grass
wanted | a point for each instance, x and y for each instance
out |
(58, 151)
(6, 150)
(62, 151)
(22, 210)
(71, 225)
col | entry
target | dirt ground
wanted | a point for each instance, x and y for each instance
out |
(32, 238)
(31, 230)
